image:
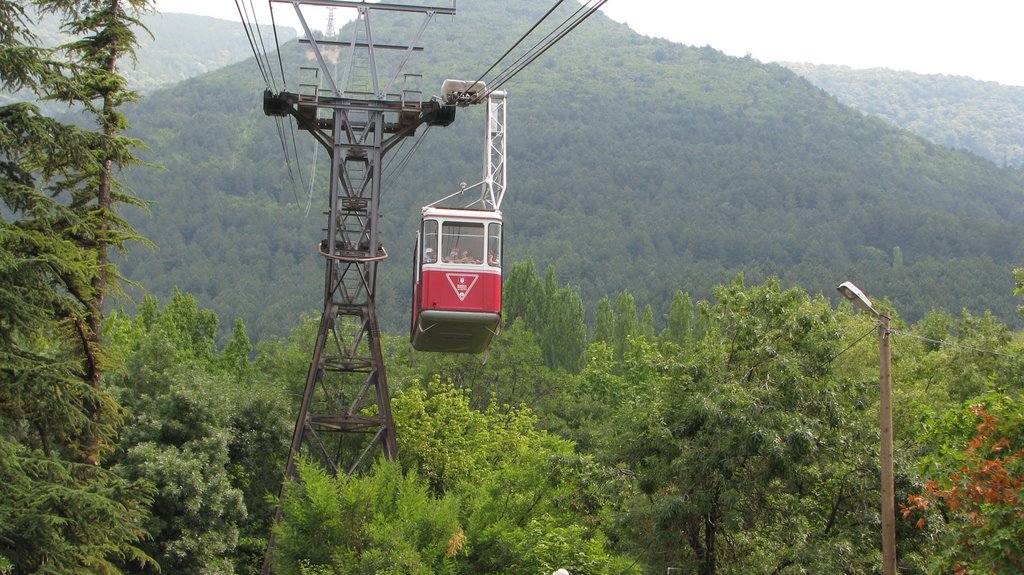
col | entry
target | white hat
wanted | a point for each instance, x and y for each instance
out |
(560, 572)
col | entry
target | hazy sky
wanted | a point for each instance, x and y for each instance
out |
(982, 39)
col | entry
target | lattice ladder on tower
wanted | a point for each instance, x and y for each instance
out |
(345, 413)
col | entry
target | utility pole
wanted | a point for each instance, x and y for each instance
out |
(886, 453)
(345, 414)
(853, 293)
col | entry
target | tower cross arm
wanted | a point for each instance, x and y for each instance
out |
(394, 7)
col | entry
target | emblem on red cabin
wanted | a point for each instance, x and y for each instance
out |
(462, 284)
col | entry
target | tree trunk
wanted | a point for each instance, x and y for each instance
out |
(104, 208)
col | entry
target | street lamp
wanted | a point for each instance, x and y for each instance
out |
(855, 295)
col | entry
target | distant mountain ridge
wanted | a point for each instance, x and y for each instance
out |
(985, 118)
(634, 163)
(185, 45)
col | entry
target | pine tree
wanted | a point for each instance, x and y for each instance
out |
(60, 511)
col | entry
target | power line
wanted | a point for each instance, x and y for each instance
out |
(849, 347)
(954, 344)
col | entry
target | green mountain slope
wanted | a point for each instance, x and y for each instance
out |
(985, 118)
(634, 163)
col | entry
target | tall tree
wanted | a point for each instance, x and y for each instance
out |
(748, 447)
(523, 295)
(105, 37)
(565, 330)
(647, 323)
(680, 319)
(62, 511)
(626, 325)
(604, 322)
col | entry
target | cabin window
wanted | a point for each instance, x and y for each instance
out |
(429, 254)
(462, 242)
(494, 244)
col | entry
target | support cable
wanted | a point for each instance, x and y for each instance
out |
(255, 34)
(542, 46)
(519, 41)
(277, 45)
(242, 14)
(259, 50)
(954, 344)
(392, 175)
(312, 178)
(283, 137)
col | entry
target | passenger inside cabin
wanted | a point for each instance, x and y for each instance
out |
(428, 256)
(453, 256)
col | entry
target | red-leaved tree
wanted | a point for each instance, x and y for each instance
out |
(980, 500)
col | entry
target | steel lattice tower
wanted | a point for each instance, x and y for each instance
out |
(345, 414)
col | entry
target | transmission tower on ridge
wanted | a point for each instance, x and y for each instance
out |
(345, 414)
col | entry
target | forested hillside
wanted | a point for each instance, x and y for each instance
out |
(633, 163)
(985, 118)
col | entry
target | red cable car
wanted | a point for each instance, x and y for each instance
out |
(457, 289)
(456, 305)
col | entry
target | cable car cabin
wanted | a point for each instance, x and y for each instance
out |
(457, 290)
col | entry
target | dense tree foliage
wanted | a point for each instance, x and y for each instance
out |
(752, 447)
(483, 492)
(978, 493)
(207, 431)
(749, 448)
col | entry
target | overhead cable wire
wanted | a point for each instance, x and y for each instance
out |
(266, 57)
(312, 178)
(519, 41)
(239, 4)
(277, 44)
(259, 50)
(282, 136)
(530, 55)
(404, 162)
(295, 153)
(257, 33)
(542, 46)
(849, 347)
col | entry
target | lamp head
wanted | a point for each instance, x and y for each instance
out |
(853, 293)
